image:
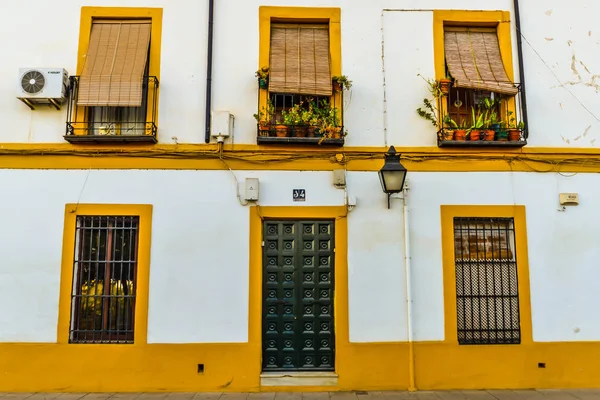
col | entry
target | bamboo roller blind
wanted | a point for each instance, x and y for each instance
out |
(474, 60)
(115, 64)
(299, 60)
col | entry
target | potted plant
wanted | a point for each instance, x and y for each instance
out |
(447, 133)
(341, 82)
(474, 132)
(460, 133)
(263, 77)
(490, 119)
(429, 110)
(445, 85)
(330, 120)
(514, 129)
(264, 118)
(291, 118)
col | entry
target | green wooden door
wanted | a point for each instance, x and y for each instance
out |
(298, 267)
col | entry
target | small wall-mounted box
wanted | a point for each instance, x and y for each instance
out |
(339, 178)
(222, 124)
(251, 189)
(569, 199)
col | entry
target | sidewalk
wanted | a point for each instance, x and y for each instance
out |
(572, 394)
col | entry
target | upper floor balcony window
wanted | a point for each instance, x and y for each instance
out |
(475, 103)
(299, 102)
(114, 99)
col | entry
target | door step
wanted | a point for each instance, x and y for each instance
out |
(292, 378)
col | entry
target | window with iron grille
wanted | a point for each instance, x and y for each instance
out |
(487, 295)
(104, 279)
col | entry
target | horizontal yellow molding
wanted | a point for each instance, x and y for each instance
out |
(317, 158)
(236, 367)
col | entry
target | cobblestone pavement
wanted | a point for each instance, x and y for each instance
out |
(572, 394)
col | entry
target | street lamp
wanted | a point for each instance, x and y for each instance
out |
(392, 174)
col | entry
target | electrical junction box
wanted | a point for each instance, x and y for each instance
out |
(222, 124)
(339, 178)
(251, 190)
(569, 199)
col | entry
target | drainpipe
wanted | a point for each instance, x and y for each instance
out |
(521, 70)
(211, 5)
(407, 272)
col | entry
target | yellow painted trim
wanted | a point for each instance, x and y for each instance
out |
(88, 14)
(498, 19)
(448, 213)
(252, 157)
(340, 303)
(143, 268)
(332, 15)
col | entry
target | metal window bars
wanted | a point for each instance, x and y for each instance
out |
(487, 296)
(104, 279)
(113, 123)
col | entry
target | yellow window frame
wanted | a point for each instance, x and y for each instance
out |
(491, 19)
(274, 14)
(88, 14)
(144, 211)
(448, 213)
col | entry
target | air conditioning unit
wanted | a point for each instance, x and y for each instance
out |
(43, 86)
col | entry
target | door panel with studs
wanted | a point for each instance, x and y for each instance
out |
(298, 325)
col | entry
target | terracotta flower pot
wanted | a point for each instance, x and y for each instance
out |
(281, 130)
(337, 87)
(488, 135)
(263, 129)
(514, 135)
(335, 133)
(448, 134)
(310, 132)
(301, 131)
(460, 134)
(475, 135)
(445, 85)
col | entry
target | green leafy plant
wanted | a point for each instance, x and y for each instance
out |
(512, 123)
(265, 115)
(477, 119)
(449, 122)
(429, 110)
(262, 73)
(343, 81)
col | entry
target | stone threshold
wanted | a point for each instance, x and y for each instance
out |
(302, 378)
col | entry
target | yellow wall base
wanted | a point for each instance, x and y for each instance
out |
(236, 367)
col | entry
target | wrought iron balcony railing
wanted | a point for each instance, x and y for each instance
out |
(113, 124)
(480, 118)
(300, 119)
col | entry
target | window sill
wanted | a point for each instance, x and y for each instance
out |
(481, 143)
(299, 141)
(110, 139)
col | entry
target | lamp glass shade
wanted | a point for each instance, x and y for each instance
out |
(392, 181)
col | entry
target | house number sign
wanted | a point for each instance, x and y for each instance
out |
(299, 195)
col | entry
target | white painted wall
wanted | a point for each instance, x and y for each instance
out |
(199, 256)
(555, 32)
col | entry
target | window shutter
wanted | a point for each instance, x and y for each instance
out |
(474, 61)
(115, 62)
(300, 61)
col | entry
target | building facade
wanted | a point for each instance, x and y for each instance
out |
(146, 247)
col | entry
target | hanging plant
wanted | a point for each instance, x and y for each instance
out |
(263, 77)
(341, 82)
